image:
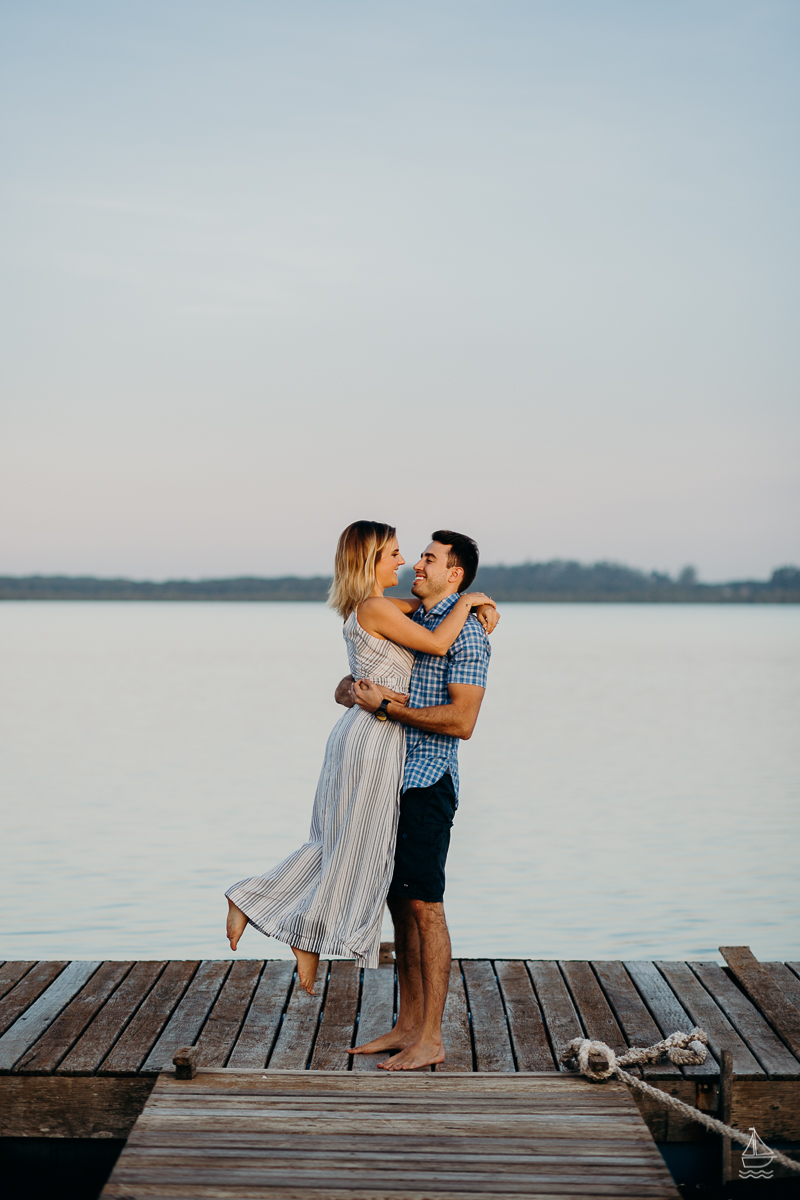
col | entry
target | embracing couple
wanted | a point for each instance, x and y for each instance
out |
(388, 790)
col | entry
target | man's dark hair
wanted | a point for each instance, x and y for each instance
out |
(463, 553)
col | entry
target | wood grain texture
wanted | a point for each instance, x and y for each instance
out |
(786, 980)
(489, 1029)
(295, 1042)
(106, 1027)
(593, 1009)
(257, 1035)
(376, 1016)
(635, 1021)
(388, 1136)
(706, 1014)
(777, 1061)
(63, 1033)
(668, 1012)
(525, 1022)
(338, 1023)
(147, 1024)
(556, 1005)
(69, 1106)
(23, 994)
(33, 1022)
(227, 1015)
(455, 1026)
(188, 1019)
(12, 972)
(759, 985)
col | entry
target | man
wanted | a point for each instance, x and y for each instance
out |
(442, 707)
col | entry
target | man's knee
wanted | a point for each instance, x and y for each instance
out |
(427, 912)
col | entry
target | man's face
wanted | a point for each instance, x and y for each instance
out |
(433, 578)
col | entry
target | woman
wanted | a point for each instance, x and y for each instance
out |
(328, 897)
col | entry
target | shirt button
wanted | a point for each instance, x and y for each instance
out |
(404, 835)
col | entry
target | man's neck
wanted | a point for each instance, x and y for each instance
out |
(431, 601)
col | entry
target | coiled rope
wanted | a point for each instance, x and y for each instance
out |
(598, 1062)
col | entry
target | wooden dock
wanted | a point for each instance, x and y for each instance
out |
(82, 1043)
(313, 1135)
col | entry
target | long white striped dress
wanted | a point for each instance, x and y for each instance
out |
(329, 895)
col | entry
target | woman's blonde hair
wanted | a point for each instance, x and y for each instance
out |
(359, 550)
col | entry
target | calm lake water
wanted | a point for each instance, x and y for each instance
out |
(631, 789)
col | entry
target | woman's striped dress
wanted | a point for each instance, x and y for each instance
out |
(329, 895)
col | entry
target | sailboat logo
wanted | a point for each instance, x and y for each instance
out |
(756, 1157)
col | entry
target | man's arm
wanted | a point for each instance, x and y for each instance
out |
(456, 719)
(344, 693)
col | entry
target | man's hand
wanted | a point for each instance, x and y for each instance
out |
(368, 695)
(344, 692)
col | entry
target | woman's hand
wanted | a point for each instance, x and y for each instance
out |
(477, 599)
(488, 616)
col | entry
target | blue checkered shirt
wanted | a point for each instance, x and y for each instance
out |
(430, 755)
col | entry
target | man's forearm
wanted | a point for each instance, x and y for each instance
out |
(443, 718)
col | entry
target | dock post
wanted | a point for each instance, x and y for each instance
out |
(725, 1099)
(185, 1062)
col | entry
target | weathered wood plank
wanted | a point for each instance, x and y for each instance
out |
(376, 1016)
(593, 1009)
(295, 1042)
(768, 998)
(489, 1029)
(777, 1061)
(227, 1016)
(638, 1026)
(90, 1049)
(33, 1022)
(525, 1023)
(67, 1106)
(188, 1019)
(23, 994)
(338, 1022)
(140, 1035)
(12, 972)
(377, 1141)
(786, 980)
(455, 1025)
(668, 1013)
(556, 1005)
(56, 1042)
(707, 1015)
(258, 1033)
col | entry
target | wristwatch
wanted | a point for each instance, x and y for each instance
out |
(380, 711)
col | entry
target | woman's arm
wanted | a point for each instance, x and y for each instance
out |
(380, 617)
(406, 606)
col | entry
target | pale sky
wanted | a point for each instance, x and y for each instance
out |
(524, 268)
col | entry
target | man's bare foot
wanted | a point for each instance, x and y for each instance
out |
(237, 923)
(396, 1039)
(307, 964)
(421, 1054)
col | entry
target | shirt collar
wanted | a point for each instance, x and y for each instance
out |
(443, 607)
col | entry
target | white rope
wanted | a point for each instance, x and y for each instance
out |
(684, 1049)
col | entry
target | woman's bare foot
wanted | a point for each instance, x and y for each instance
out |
(307, 964)
(237, 923)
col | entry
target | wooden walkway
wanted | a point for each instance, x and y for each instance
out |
(81, 1043)
(304, 1136)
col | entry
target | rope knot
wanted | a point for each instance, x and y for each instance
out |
(595, 1060)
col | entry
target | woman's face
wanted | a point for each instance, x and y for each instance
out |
(388, 565)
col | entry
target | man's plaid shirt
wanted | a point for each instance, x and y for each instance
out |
(430, 755)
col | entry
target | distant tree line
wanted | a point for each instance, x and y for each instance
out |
(557, 581)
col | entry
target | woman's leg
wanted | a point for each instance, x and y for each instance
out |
(307, 964)
(237, 923)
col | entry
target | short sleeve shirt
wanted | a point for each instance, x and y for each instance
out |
(430, 755)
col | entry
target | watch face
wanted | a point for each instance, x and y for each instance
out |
(381, 715)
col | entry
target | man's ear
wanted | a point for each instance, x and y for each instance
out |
(456, 576)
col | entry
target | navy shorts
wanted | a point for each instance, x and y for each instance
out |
(423, 839)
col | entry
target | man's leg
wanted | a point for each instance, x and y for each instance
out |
(409, 975)
(435, 955)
